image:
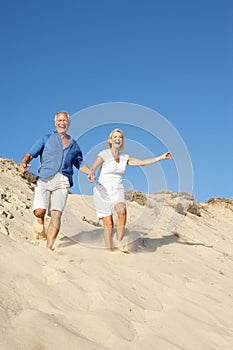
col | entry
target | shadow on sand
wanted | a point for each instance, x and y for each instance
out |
(137, 242)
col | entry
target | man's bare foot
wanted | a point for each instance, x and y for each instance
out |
(50, 243)
(39, 231)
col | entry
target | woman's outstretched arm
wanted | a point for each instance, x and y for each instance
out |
(142, 162)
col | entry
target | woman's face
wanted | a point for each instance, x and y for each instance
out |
(117, 140)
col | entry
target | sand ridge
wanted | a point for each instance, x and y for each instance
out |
(173, 291)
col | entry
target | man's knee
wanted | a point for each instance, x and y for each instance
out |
(56, 219)
(56, 214)
(39, 213)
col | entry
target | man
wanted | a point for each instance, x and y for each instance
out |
(58, 154)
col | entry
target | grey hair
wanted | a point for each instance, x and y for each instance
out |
(65, 112)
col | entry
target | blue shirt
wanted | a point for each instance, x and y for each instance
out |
(54, 158)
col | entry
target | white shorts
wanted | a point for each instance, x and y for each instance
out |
(105, 199)
(51, 194)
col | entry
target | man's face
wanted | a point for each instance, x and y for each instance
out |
(62, 123)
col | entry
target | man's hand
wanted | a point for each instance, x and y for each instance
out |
(23, 167)
(25, 162)
(91, 177)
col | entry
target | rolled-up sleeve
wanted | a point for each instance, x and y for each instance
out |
(78, 160)
(38, 147)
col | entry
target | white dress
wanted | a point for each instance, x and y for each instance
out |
(109, 190)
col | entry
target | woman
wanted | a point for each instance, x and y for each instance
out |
(109, 191)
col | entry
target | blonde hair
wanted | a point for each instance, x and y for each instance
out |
(64, 112)
(109, 142)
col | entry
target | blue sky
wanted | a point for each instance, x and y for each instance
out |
(173, 57)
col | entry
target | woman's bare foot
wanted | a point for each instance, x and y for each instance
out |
(124, 250)
(124, 242)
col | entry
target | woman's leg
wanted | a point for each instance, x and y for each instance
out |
(108, 228)
(121, 220)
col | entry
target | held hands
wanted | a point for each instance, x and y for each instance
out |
(91, 176)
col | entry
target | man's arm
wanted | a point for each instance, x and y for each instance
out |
(89, 172)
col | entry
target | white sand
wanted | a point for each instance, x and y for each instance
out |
(168, 293)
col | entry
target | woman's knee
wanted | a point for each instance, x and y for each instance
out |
(108, 222)
(121, 210)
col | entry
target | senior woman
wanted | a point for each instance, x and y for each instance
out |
(108, 194)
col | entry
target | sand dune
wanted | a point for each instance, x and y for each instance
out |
(172, 291)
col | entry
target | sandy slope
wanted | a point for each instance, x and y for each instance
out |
(173, 291)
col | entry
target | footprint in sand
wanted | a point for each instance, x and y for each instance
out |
(53, 276)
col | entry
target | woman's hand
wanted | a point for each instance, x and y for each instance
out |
(167, 155)
(91, 176)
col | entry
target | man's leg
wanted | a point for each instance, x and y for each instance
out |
(40, 214)
(56, 207)
(54, 227)
(38, 227)
(40, 201)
